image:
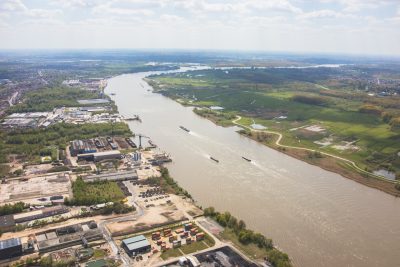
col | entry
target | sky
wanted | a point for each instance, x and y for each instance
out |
(362, 27)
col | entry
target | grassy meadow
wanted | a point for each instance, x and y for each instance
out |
(289, 101)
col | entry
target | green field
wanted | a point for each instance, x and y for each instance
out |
(95, 192)
(305, 98)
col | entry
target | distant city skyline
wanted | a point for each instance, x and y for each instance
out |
(365, 27)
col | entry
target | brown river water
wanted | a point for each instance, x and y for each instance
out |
(319, 218)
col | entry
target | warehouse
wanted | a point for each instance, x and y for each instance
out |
(99, 156)
(112, 176)
(7, 223)
(93, 101)
(39, 214)
(10, 248)
(135, 245)
(82, 147)
(68, 236)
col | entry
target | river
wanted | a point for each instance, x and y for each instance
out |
(319, 218)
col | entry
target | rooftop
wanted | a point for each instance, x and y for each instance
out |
(93, 101)
(139, 244)
(8, 243)
(133, 239)
(7, 220)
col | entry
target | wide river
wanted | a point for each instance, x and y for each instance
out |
(319, 218)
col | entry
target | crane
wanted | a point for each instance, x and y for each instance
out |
(140, 139)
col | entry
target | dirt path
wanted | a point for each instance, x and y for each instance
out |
(280, 136)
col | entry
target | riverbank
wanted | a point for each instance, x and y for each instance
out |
(274, 193)
(326, 161)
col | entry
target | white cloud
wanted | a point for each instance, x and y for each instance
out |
(43, 13)
(274, 5)
(353, 6)
(108, 9)
(323, 14)
(12, 6)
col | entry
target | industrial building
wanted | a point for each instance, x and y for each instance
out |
(10, 248)
(68, 236)
(99, 156)
(25, 120)
(39, 214)
(136, 245)
(93, 101)
(112, 176)
(7, 223)
(82, 147)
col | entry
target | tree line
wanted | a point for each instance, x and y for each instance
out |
(12, 208)
(247, 236)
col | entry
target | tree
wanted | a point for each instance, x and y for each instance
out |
(210, 211)
(232, 223)
(241, 225)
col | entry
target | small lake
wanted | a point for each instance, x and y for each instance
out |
(385, 173)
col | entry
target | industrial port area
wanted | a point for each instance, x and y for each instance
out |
(101, 201)
(163, 228)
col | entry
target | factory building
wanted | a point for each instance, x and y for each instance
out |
(82, 147)
(99, 156)
(136, 245)
(39, 214)
(10, 248)
(112, 176)
(7, 223)
(68, 236)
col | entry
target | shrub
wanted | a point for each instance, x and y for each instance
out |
(370, 109)
(310, 100)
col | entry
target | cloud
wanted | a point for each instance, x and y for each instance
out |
(323, 14)
(354, 6)
(237, 7)
(274, 5)
(43, 13)
(107, 9)
(12, 6)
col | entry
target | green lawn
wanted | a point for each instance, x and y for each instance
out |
(95, 192)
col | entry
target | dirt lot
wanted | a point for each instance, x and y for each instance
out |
(153, 217)
(29, 190)
(158, 209)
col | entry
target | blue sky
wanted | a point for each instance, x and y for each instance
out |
(334, 26)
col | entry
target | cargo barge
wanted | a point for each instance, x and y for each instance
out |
(214, 159)
(130, 142)
(184, 128)
(249, 160)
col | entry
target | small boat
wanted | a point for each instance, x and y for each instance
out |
(184, 128)
(133, 118)
(249, 160)
(113, 94)
(214, 159)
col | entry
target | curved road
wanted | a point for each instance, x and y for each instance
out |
(280, 136)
